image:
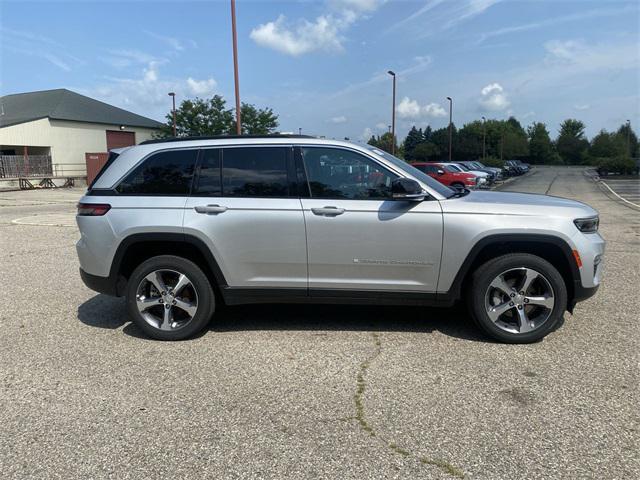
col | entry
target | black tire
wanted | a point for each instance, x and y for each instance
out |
(198, 282)
(482, 278)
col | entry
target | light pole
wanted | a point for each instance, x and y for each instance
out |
(393, 113)
(484, 138)
(450, 125)
(173, 111)
(299, 130)
(235, 66)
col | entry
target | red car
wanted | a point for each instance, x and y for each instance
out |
(448, 175)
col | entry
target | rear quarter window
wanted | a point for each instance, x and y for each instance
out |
(163, 173)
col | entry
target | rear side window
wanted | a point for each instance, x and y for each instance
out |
(210, 175)
(165, 173)
(254, 172)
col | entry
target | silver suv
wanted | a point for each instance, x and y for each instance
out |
(181, 226)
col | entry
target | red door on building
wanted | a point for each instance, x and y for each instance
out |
(118, 139)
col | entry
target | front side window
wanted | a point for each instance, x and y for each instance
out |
(338, 173)
(165, 173)
(255, 172)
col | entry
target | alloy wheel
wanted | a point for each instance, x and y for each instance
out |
(167, 299)
(519, 300)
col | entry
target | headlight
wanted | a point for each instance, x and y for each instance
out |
(587, 225)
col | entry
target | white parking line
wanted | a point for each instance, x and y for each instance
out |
(621, 198)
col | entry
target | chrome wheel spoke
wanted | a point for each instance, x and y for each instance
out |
(167, 318)
(156, 280)
(543, 301)
(183, 281)
(529, 277)
(524, 323)
(145, 303)
(500, 284)
(190, 308)
(496, 312)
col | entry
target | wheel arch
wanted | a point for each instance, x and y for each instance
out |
(553, 249)
(139, 247)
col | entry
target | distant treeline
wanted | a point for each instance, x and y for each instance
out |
(497, 140)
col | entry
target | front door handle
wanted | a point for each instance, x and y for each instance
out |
(328, 211)
(215, 209)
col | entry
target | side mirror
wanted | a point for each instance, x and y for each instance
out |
(440, 171)
(407, 189)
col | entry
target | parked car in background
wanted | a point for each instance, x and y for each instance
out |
(517, 166)
(449, 175)
(474, 165)
(484, 179)
(182, 226)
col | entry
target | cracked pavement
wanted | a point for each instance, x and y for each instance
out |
(270, 391)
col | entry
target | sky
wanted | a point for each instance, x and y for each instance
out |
(321, 65)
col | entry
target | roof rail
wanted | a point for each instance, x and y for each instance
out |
(222, 137)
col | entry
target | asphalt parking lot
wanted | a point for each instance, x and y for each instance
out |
(310, 392)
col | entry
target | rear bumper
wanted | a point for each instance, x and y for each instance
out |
(99, 284)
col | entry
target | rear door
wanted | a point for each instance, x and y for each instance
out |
(245, 208)
(358, 237)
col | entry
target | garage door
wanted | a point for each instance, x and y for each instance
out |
(118, 139)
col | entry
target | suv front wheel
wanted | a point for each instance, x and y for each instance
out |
(517, 298)
(169, 298)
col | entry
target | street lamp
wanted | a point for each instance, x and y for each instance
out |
(173, 111)
(299, 130)
(450, 125)
(235, 66)
(393, 113)
(484, 138)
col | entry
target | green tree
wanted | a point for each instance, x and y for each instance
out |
(205, 117)
(256, 121)
(414, 138)
(630, 140)
(426, 152)
(373, 141)
(384, 142)
(572, 143)
(540, 146)
(607, 145)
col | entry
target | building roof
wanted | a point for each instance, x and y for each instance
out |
(63, 104)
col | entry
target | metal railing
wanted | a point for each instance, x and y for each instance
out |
(16, 166)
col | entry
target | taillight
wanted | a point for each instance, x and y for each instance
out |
(93, 209)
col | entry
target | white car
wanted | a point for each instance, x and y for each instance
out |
(483, 177)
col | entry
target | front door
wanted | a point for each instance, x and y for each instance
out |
(358, 237)
(242, 208)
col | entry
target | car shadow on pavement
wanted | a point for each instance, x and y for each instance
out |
(103, 311)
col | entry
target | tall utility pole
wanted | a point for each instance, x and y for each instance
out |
(235, 66)
(173, 111)
(393, 114)
(450, 126)
(484, 138)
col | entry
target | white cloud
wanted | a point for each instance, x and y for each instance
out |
(146, 93)
(442, 15)
(366, 134)
(201, 87)
(325, 33)
(170, 41)
(304, 38)
(494, 98)
(35, 45)
(585, 106)
(340, 119)
(411, 109)
(382, 126)
(564, 50)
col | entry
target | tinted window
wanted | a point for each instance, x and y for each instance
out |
(209, 176)
(254, 172)
(452, 169)
(338, 173)
(165, 173)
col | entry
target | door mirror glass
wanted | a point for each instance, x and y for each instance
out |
(407, 189)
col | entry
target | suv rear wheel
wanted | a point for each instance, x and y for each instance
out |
(170, 298)
(517, 298)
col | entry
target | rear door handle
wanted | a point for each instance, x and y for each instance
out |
(215, 209)
(328, 211)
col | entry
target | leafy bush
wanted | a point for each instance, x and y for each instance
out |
(620, 165)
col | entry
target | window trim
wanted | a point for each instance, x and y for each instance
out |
(144, 159)
(300, 158)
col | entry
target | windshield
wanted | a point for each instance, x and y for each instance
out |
(414, 172)
(463, 167)
(452, 168)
